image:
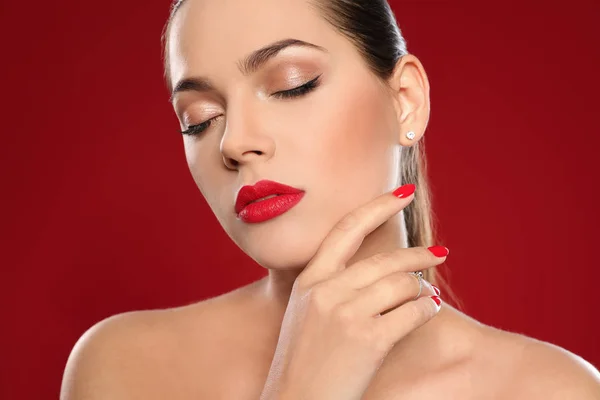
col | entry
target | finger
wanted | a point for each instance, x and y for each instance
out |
(348, 234)
(398, 323)
(371, 269)
(427, 290)
(387, 293)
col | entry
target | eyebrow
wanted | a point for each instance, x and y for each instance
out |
(247, 66)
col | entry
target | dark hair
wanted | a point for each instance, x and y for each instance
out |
(372, 27)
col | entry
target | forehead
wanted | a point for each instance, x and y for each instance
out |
(208, 37)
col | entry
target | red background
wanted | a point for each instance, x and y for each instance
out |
(100, 214)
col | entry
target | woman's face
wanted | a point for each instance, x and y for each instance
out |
(337, 142)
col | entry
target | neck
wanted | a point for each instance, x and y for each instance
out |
(389, 236)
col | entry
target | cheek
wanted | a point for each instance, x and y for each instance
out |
(354, 131)
(194, 157)
(202, 162)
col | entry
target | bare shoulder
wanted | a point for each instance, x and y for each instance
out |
(540, 370)
(552, 372)
(95, 366)
(122, 356)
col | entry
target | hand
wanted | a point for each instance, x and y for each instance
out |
(336, 331)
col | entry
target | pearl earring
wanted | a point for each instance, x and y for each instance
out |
(410, 135)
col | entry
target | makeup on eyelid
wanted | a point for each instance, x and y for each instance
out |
(291, 70)
(191, 117)
(291, 74)
(296, 78)
(281, 82)
(287, 71)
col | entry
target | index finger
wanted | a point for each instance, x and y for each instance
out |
(347, 235)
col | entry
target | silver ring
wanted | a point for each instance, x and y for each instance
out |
(419, 276)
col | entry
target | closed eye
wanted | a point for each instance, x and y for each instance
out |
(197, 129)
(300, 90)
(286, 94)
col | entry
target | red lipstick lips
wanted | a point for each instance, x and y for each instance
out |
(252, 207)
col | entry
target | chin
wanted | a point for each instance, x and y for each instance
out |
(281, 244)
(282, 261)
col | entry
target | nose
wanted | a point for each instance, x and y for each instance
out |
(245, 140)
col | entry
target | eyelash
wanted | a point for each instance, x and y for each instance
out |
(299, 91)
(286, 94)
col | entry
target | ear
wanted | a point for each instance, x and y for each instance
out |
(410, 88)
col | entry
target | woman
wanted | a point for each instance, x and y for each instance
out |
(299, 119)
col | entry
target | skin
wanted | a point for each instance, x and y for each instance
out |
(347, 135)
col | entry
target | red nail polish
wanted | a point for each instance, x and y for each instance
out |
(439, 251)
(405, 190)
(437, 300)
(436, 289)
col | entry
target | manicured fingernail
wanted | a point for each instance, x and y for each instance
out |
(437, 300)
(437, 290)
(439, 251)
(405, 190)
